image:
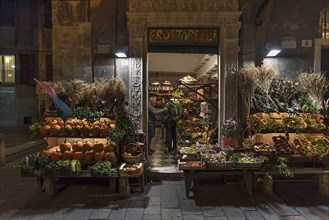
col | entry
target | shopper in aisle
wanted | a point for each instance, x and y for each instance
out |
(174, 114)
(153, 112)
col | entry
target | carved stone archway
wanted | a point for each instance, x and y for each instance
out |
(221, 14)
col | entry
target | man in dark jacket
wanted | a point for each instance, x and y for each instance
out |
(174, 114)
(153, 112)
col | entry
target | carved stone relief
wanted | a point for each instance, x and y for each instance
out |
(232, 30)
(63, 11)
(136, 94)
(182, 5)
(231, 52)
(136, 30)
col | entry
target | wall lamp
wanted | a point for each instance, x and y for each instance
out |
(273, 53)
(121, 54)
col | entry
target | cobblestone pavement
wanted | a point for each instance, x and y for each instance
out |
(80, 199)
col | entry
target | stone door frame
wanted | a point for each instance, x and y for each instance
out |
(228, 25)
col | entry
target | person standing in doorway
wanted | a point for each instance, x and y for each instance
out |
(174, 114)
(153, 112)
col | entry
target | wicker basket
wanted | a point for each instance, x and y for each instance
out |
(136, 151)
(248, 165)
(223, 165)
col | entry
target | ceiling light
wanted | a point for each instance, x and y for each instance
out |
(155, 83)
(273, 53)
(121, 54)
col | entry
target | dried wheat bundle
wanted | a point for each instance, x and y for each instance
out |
(76, 91)
(120, 88)
(109, 92)
(315, 84)
(43, 99)
(265, 75)
(59, 87)
(94, 95)
(247, 81)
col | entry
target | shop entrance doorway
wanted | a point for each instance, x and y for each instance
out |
(191, 79)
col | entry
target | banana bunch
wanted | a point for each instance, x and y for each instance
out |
(187, 101)
(204, 137)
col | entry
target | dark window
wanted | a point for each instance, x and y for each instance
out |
(28, 66)
(7, 13)
(47, 14)
(49, 68)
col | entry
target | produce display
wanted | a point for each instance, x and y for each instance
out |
(131, 169)
(79, 147)
(282, 145)
(54, 126)
(103, 168)
(312, 146)
(63, 168)
(264, 149)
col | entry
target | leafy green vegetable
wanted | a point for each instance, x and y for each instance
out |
(308, 105)
(85, 113)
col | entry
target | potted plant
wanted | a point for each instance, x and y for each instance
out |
(231, 132)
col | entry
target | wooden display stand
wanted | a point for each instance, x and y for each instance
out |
(190, 174)
(296, 162)
(118, 185)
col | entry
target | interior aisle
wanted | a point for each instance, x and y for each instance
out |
(161, 161)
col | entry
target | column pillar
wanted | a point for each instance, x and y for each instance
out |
(229, 67)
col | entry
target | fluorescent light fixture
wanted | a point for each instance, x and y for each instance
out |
(273, 53)
(121, 54)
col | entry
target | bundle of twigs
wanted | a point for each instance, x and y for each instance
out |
(265, 75)
(44, 100)
(76, 91)
(115, 90)
(247, 83)
(315, 84)
(94, 94)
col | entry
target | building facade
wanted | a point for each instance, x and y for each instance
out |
(76, 39)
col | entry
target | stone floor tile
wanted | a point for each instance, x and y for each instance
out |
(135, 213)
(169, 198)
(152, 217)
(118, 214)
(152, 210)
(253, 215)
(60, 214)
(293, 217)
(282, 209)
(174, 214)
(137, 204)
(211, 211)
(188, 206)
(155, 190)
(267, 212)
(154, 200)
(248, 208)
(233, 212)
(80, 214)
(309, 213)
(193, 217)
(181, 192)
(100, 214)
(216, 218)
(322, 211)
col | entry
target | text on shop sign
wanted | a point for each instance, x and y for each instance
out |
(175, 35)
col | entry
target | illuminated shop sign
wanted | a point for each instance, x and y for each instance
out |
(181, 36)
